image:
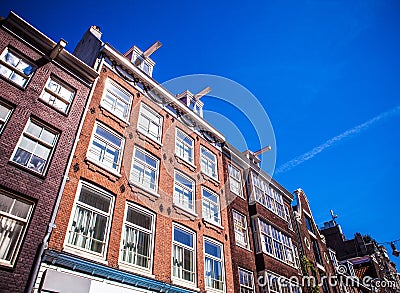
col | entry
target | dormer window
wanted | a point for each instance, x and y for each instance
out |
(141, 59)
(142, 64)
(192, 102)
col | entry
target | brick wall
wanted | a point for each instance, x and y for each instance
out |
(42, 190)
(166, 212)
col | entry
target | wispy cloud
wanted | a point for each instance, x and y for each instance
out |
(329, 143)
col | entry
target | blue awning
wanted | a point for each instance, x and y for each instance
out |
(94, 269)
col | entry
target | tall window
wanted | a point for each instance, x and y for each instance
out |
(316, 250)
(91, 220)
(15, 68)
(309, 224)
(14, 217)
(117, 100)
(5, 113)
(183, 254)
(184, 146)
(145, 169)
(106, 147)
(266, 195)
(240, 227)
(138, 237)
(213, 265)
(275, 243)
(184, 191)
(150, 123)
(35, 147)
(208, 163)
(246, 281)
(235, 181)
(57, 94)
(211, 210)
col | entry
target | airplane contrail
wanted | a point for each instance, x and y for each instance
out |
(330, 142)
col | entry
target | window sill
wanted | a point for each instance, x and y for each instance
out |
(213, 180)
(54, 108)
(280, 260)
(312, 234)
(6, 265)
(211, 290)
(111, 115)
(143, 190)
(192, 213)
(33, 172)
(243, 247)
(321, 267)
(98, 164)
(134, 269)
(144, 136)
(186, 163)
(217, 225)
(185, 284)
(85, 254)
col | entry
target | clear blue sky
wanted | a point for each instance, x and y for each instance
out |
(319, 68)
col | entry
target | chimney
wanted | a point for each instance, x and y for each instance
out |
(89, 46)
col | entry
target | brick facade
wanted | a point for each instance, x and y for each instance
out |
(41, 190)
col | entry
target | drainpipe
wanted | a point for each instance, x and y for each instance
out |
(43, 245)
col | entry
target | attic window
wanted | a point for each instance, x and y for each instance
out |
(143, 64)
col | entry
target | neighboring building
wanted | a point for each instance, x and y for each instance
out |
(236, 167)
(362, 256)
(142, 208)
(315, 256)
(43, 93)
(275, 241)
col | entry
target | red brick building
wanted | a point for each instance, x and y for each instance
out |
(316, 259)
(142, 208)
(43, 93)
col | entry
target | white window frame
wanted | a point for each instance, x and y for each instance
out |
(178, 152)
(274, 239)
(267, 195)
(92, 157)
(151, 232)
(108, 89)
(38, 142)
(213, 258)
(235, 176)
(136, 161)
(142, 113)
(245, 288)
(243, 226)
(205, 166)
(177, 201)
(3, 121)
(14, 70)
(77, 249)
(56, 95)
(207, 205)
(184, 247)
(7, 219)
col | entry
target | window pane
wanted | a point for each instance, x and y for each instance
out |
(212, 249)
(183, 237)
(95, 200)
(10, 233)
(34, 129)
(108, 136)
(137, 218)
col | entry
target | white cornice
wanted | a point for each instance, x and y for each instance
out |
(151, 83)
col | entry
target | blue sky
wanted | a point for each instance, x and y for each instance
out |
(319, 68)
